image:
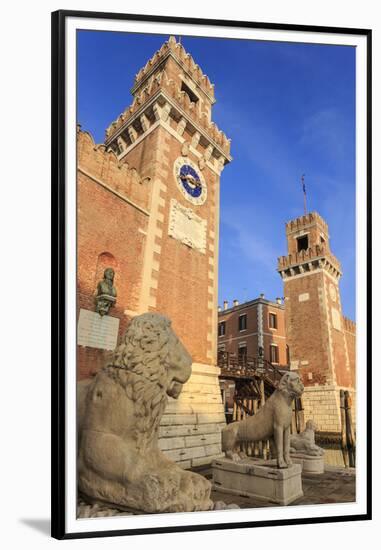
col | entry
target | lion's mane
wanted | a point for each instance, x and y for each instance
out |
(140, 364)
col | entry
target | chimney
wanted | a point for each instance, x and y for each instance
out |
(235, 303)
(279, 301)
(262, 296)
(225, 305)
(219, 309)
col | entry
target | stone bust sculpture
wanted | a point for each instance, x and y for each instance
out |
(106, 292)
(305, 441)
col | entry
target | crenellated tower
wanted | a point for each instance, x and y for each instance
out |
(316, 330)
(169, 220)
(172, 92)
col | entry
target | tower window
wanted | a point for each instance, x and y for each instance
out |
(274, 354)
(273, 322)
(242, 322)
(192, 96)
(302, 243)
(221, 328)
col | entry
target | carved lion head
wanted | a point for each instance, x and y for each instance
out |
(310, 425)
(152, 350)
(291, 384)
(151, 364)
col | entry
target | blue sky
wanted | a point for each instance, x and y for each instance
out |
(289, 110)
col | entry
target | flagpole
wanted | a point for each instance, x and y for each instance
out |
(304, 195)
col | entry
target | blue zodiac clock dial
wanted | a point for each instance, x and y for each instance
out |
(190, 181)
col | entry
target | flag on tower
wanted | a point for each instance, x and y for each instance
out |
(305, 194)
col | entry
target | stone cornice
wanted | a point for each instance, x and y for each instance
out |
(166, 99)
(315, 253)
(162, 60)
(180, 101)
(311, 267)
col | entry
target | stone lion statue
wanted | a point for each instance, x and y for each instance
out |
(305, 441)
(119, 463)
(272, 422)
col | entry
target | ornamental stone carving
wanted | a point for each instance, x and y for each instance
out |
(187, 227)
(272, 421)
(119, 413)
(305, 441)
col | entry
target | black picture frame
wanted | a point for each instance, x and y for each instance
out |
(58, 175)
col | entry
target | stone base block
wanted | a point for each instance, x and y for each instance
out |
(190, 429)
(309, 464)
(260, 479)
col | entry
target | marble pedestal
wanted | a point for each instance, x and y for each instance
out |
(310, 464)
(259, 479)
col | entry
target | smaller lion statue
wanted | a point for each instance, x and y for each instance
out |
(272, 422)
(305, 441)
(119, 413)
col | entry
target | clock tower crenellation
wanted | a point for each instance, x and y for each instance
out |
(171, 88)
(316, 329)
(168, 137)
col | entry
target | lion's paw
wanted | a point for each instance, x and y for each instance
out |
(232, 456)
(196, 490)
(176, 490)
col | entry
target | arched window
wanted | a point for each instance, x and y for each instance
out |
(105, 260)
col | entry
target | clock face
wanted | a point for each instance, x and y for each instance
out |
(190, 181)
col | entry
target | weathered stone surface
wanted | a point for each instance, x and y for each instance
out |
(220, 505)
(119, 462)
(190, 430)
(310, 464)
(272, 421)
(96, 331)
(259, 479)
(305, 441)
(85, 510)
(187, 227)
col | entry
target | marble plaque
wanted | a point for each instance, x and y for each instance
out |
(187, 227)
(95, 331)
(336, 319)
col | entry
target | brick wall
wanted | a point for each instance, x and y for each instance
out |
(258, 321)
(306, 328)
(110, 233)
(124, 200)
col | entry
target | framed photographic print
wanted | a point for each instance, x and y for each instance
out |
(211, 189)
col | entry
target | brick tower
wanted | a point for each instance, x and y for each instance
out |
(320, 339)
(172, 156)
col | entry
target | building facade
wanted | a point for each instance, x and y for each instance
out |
(252, 329)
(148, 207)
(322, 342)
